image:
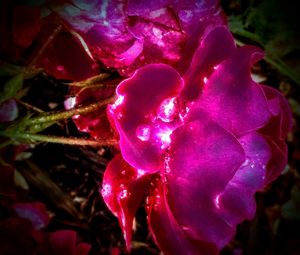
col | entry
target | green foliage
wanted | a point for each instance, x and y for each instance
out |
(11, 87)
(291, 209)
(273, 25)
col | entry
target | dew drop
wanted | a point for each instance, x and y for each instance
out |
(119, 101)
(106, 190)
(143, 132)
(123, 194)
(140, 173)
(168, 110)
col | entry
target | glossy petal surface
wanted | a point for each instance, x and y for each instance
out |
(136, 115)
(230, 96)
(95, 123)
(200, 151)
(237, 201)
(130, 34)
(123, 189)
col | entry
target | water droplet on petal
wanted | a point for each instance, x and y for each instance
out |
(119, 101)
(143, 132)
(106, 190)
(164, 137)
(168, 110)
(123, 194)
(140, 173)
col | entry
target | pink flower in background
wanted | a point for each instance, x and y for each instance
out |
(128, 34)
(198, 146)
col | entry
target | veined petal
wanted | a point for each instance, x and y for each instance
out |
(230, 96)
(203, 159)
(168, 234)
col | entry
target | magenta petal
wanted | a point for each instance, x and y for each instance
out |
(95, 123)
(278, 161)
(123, 189)
(203, 159)
(64, 242)
(35, 212)
(135, 114)
(217, 46)
(130, 34)
(8, 110)
(168, 235)
(230, 96)
(280, 123)
(237, 201)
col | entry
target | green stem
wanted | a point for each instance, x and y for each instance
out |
(31, 138)
(50, 117)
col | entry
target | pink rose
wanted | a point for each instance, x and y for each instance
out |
(128, 34)
(198, 146)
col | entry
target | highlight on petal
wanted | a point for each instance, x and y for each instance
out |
(215, 47)
(144, 131)
(203, 159)
(230, 96)
(123, 190)
(167, 233)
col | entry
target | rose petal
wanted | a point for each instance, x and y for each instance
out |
(217, 46)
(142, 133)
(8, 110)
(280, 123)
(278, 161)
(237, 201)
(203, 159)
(95, 123)
(123, 189)
(35, 212)
(130, 34)
(230, 96)
(62, 242)
(167, 233)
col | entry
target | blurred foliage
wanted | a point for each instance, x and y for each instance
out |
(273, 25)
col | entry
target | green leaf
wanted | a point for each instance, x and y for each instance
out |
(11, 87)
(274, 25)
(10, 70)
